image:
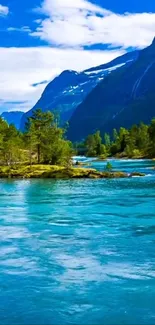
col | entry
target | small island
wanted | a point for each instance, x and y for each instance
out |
(59, 172)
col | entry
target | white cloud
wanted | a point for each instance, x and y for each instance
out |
(22, 67)
(72, 24)
(4, 10)
(21, 29)
(78, 23)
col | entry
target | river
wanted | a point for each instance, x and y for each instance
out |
(79, 251)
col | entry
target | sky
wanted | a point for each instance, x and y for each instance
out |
(41, 38)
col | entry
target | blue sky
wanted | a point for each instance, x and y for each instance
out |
(40, 38)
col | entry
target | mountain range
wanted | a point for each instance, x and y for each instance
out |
(123, 98)
(67, 91)
(119, 93)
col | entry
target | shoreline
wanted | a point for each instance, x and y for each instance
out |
(120, 158)
(111, 158)
(59, 172)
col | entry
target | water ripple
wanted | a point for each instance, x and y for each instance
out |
(78, 251)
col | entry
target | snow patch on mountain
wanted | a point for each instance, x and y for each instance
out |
(67, 91)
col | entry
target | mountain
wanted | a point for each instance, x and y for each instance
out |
(67, 91)
(124, 97)
(13, 118)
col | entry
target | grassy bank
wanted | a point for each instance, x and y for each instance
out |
(57, 172)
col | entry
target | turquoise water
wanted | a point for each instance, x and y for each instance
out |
(78, 251)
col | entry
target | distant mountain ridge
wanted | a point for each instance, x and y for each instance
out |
(13, 117)
(67, 91)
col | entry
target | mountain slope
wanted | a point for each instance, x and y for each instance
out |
(70, 88)
(13, 118)
(121, 99)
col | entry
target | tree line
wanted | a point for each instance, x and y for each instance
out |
(138, 141)
(41, 142)
(44, 142)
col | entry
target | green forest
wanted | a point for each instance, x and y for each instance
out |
(44, 142)
(137, 142)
